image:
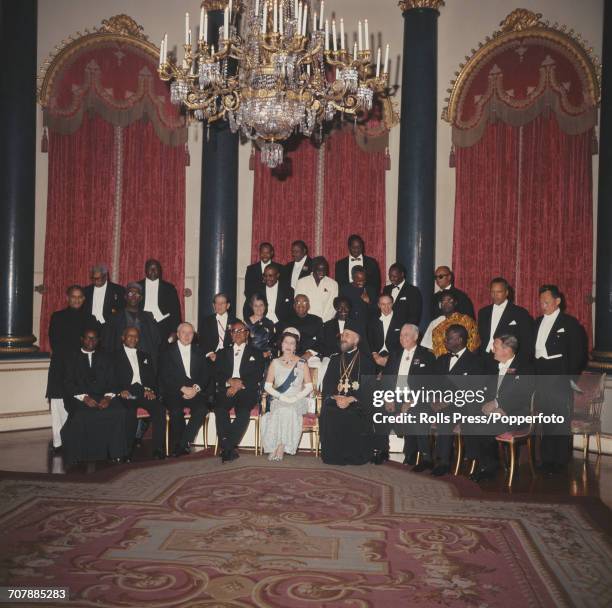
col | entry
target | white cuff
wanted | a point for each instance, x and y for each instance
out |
(80, 397)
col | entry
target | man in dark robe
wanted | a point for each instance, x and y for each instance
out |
(346, 426)
(96, 425)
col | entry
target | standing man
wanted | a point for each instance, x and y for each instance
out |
(277, 295)
(215, 335)
(183, 377)
(407, 299)
(384, 332)
(137, 388)
(310, 327)
(361, 295)
(160, 298)
(504, 317)
(320, 290)
(239, 371)
(299, 267)
(103, 298)
(357, 257)
(65, 331)
(253, 278)
(445, 280)
(560, 356)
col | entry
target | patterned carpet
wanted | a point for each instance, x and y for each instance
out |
(298, 534)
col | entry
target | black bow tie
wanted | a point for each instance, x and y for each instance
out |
(355, 259)
(454, 355)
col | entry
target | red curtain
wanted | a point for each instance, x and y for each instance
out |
(354, 196)
(79, 211)
(524, 210)
(284, 201)
(485, 228)
(555, 242)
(153, 206)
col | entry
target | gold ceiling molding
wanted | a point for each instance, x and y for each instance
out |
(120, 28)
(220, 5)
(519, 24)
(407, 5)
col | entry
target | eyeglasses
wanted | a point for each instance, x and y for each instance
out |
(441, 276)
(238, 331)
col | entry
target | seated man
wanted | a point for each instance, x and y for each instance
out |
(403, 370)
(239, 371)
(309, 326)
(184, 375)
(346, 425)
(96, 425)
(454, 369)
(511, 385)
(136, 385)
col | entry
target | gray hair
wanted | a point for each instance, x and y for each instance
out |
(510, 341)
(413, 327)
(102, 268)
(184, 324)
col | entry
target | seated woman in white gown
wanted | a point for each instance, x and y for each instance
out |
(289, 384)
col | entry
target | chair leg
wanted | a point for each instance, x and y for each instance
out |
(459, 455)
(531, 465)
(167, 434)
(216, 444)
(598, 440)
(206, 432)
(316, 433)
(512, 449)
(585, 446)
(257, 438)
(418, 458)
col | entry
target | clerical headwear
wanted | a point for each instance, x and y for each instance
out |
(355, 327)
(134, 285)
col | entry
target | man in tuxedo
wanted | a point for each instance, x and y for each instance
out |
(434, 337)
(445, 281)
(137, 388)
(407, 299)
(455, 367)
(347, 432)
(66, 329)
(239, 371)
(320, 289)
(96, 425)
(132, 315)
(183, 378)
(310, 328)
(384, 331)
(160, 298)
(403, 369)
(560, 356)
(103, 298)
(357, 257)
(332, 329)
(253, 278)
(361, 295)
(299, 267)
(509, 391)
(504, 317)
(277, 295)
(214, 334)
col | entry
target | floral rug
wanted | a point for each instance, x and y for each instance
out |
(297, 534)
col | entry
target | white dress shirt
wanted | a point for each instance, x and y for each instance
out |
(152, 300)
(503, 368)
(185, 352)
(386, 321)
(297, 269)
(321, 296)
(271, 298)
(238, 353)
(221, 329)
(396, 290)
(406, 362)
(427, 339)
(97, 303)
(132, 355)
(341, 323)
(455, 358)
(543, 332)
(353, 262)
(264, 265)
(496, 314)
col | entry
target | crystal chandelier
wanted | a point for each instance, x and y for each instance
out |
(285, 72)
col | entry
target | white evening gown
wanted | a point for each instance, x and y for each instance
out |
(283, 423)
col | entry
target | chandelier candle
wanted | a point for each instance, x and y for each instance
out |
(268, 80)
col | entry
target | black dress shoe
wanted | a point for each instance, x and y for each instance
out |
(483, 475)
(410, 459)
(181, 452)
(422, 466)
(441, 469)
(235, 454)
(159, 454)
(380, 457)
(226, 456)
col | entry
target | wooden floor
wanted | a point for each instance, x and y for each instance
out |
(28, 451)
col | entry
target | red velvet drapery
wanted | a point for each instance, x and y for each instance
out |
(523, 210)
(284, 202)
(80, 209)
(152, 206)
(354, 196)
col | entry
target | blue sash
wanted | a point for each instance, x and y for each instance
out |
(288, 380)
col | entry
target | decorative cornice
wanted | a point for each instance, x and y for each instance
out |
(220, 5)
(408, 5)
(515, 26)
(123, 25)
